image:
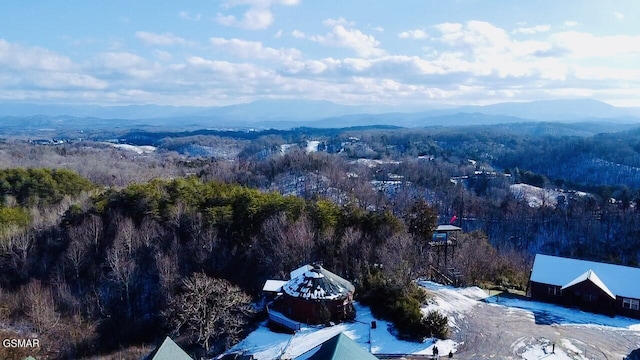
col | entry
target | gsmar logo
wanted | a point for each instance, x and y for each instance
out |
(21, 343)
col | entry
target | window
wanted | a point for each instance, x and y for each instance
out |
(554, 290)
(632, 304)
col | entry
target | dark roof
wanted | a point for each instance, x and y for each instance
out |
(619, 280)
(341, 347)
(317, 283)
(168, 350)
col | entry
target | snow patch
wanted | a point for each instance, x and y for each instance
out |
(534, 349)
(451, 302)
(312, 146)
(144, 149)
(285, 147)
(535, 196)
(267, 345)
(556, 314)
(373, 163)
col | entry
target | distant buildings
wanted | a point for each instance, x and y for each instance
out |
(592, 286)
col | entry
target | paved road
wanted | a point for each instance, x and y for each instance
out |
(496, 332)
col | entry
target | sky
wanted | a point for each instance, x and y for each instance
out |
(358, 52)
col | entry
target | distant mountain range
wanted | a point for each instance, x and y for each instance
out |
(292, 113)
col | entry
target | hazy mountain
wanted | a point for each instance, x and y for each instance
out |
(556, 110)
(298, 110)
(294, 113)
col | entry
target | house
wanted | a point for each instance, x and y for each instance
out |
(339, 347)
(314, 295)
(592, 286)
(168, 350)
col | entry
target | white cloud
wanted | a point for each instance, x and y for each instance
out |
(339, 21)
(164, 39)
(42, 68)
(532, 29)
(340, 36)
(298, 34)
(618, 15)
(582, 44)
(14, 56)
(255, 50)
(226, 20)
(413, 34)
(570, 23)
(258, 17)
(63, 80)
(162, 55)
(126, 64)
(185, 15)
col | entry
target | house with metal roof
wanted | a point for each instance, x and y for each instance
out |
(592, 286)
(168, 350)
(339, 347)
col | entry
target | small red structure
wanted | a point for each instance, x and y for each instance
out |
(315, 295)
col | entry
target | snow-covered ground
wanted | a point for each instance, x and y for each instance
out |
(285, 147)
(535, 196)
(452, 302)
(267, 345)
(534, 349)
(145, 149)
(312, 146)
(482, 326)
(548, 314)
(373, 163)
(511, 328)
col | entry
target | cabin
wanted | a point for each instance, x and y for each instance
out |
(314, 295)
(591, 286)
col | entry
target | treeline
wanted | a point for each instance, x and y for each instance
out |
(40, 186)
(24, 191)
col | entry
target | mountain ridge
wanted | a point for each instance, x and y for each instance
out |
(322, 114)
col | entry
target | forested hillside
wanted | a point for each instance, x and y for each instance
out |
(103, 247)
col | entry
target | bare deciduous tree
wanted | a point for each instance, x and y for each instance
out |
(40, 307)
(211, 310)
(283, 245)
(122, 266)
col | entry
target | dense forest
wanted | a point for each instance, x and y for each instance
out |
(104, 248)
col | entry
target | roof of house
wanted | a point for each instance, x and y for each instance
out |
(619, 280)
(317, 284)
(299, 271)
(168, 350)
(273, 285)
(448, 228)
(591, 276)
(340, 347)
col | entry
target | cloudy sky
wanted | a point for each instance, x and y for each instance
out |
(405, 52)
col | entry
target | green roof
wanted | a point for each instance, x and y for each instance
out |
(341, 347)
(169, 350)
